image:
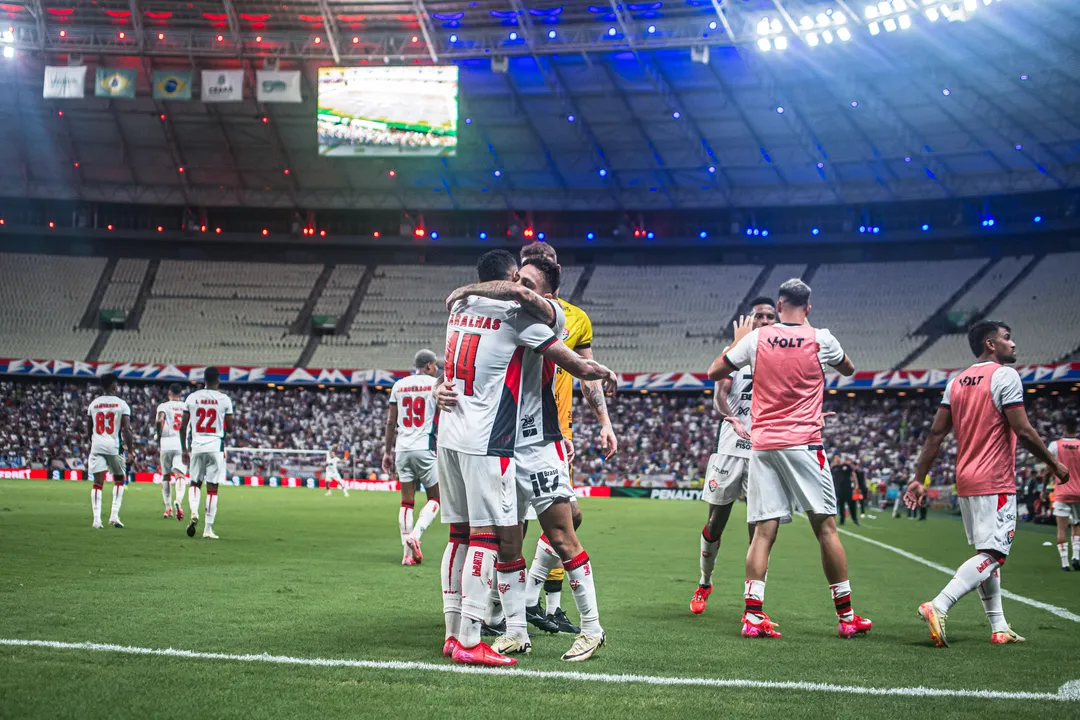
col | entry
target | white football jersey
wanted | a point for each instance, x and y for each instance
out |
(739, 398)
(106, 413)
(170, 428)
(486, 341)
(332, 461)
(415, 400)
(538, 418)
(207, 409)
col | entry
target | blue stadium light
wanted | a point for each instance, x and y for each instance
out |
(1023, 77)
(815, 231)
(712, 169)
(876, 229)
(946, 92)
(703, 234)
(821, 166)
(925, 228)
(652, 30)
(862, 228)
(603, 172)
(764, 233)
(756, 232)
(907, 159)
(650, 235)
(611, 32)
(990, 222)
(498, 173)
(1038, 218)
(434, 235)
(854, 103)
(712, 25)
(552, 34)
(483, 236)
(676, 115)
(590, 236)
(570, 118)
(779, 109)
(453, 38)
(749, 232)
(513, 36)
(1018, 147)
(540, 236)
(468, 121)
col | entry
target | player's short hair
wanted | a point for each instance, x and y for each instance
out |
(495, 265)
(109, 381)
(1071, 426)
(795, 292)
(176, 389)
(762, 300)
(423, 357)
(552, 273)
(981, 331)
(212, 375)
(539, 250)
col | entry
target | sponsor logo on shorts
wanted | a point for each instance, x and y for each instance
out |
(741, 444)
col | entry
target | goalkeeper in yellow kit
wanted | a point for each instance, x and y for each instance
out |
(578, 337)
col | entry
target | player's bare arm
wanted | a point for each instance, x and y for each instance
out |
(941, 428)
(1030, 440)
(129, 438)
(531, 302)
(846, 367)
(720, 402)
(229, 422)
(390, 437)
(579, 367)
(593, 393)
(721, 368)
(185, 451)
(157, 426)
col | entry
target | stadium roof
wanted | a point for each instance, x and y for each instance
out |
(601, 106)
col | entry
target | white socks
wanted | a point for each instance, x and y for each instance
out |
(453, 560)
(1063, 551)
(552, 601)
(970, 575)
(95, 503)
(117, 499)
(708, 558)
(427, 516)
(1076, 547)
(404, 520)
(166, 494)
(178, 490)
(193, 500)
(580, 573)
(841, 594)
(754, 595)
(510, 579)
(211, 510)
(475, 578)
(544, 561)
(990, 594)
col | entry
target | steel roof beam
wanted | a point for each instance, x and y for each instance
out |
(426, 28)
(331, 30)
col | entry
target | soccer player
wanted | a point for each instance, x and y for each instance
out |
(485, 345)
(985, 406)
(1066, 505)
(331, 472)
(788, 467)
(170, 414)
(409, 446)
(110, 421)
(212, 411)
(578, 336)
(725, 477)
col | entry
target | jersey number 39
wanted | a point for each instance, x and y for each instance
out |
(461, 361)
(414, 411)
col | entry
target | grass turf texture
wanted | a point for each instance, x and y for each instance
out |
(305, 575)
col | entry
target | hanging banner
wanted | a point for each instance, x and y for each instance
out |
(277, 86)
(222, 85)
(172, 84)
(64, 81)
(114, 83)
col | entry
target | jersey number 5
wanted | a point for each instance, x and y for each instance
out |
(414, 411)
(461, 361)
(104, 423)
(206, 421)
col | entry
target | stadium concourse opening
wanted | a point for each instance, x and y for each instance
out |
(463, 341)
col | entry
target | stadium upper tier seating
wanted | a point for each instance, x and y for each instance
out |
(645, 318)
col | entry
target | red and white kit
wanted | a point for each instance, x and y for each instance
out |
(725, 477)
(207, 410)
(415, 445)
(1067, 497)
(170, 455)
(106, 413)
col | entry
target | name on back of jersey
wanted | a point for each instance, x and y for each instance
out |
(479, 322)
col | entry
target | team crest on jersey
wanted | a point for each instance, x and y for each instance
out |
(564, 335)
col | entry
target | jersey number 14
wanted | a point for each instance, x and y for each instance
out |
(461, 361)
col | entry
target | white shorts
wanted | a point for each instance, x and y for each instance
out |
(108, 463)
(542, 479)
(207, 467)
(725, 479)
(1068, 510)
(990, 521)
(784, 481)
(332, 475)
(417, 466)
(477, 489)
(172, 463)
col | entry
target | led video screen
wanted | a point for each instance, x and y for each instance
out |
(388, 111)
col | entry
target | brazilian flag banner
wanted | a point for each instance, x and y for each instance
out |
(115, 83)
(172, 84)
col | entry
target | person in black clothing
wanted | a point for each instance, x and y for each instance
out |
(843, 475)
(864, 490)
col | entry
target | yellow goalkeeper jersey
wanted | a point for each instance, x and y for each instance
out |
(578, 336)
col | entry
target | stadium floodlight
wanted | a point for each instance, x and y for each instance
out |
(806, 23)
(839, 18)
(764, 45)
(498, 173)
(874, 28)
(552, 34)
(899, 6)
(652, 29)
(453, 39)
(763, 26)
(611, 32)
(9, 52)
(811, 39)
(889, 24)
(570, 118)
(827, 37)
(823, 19)
(844, 34)
(970, 5)
(775, 26)
(781, 42)
(712, 169)
(871, 12)
(779, 109)
(712, 25)
(904, 21)
(932, 14)
(884, 7)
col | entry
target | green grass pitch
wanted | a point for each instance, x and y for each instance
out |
(303, 575)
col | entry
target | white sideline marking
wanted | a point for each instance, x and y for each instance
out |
(1059, 611)
(1067, 693)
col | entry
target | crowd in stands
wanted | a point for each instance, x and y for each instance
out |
(664, 439)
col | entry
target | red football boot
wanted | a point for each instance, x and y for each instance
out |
(700, 599)
(766, 628)
(850, 628)
(449, 647)
(481, 654)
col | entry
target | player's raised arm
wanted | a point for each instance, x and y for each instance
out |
(1030, 440)
(737, 354)
(579, 367)
(531, 302)
(942, 426)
